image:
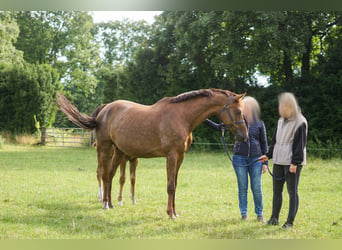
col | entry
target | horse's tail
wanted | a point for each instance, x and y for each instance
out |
(80, 120)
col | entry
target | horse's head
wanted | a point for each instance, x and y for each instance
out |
(231, 115)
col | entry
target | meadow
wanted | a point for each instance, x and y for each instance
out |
(51, 193)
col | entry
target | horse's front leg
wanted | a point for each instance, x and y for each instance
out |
(171, 163)
(179, 163)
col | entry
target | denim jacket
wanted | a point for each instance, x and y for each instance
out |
(256, 144)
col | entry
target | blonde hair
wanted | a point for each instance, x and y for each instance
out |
(252, 104)
(289, 101)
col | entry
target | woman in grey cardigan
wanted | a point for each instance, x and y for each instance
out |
(288, 150)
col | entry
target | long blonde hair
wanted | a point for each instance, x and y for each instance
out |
(251, 108)
(289, 101)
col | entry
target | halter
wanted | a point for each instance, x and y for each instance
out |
(233, 122)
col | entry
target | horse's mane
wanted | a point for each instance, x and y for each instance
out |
(192, 94)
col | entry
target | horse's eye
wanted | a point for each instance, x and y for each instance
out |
(238, 112)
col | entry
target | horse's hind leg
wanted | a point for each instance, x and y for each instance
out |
(116, 160)
(122, 179)
(133, 167)
(105, 153)
(99, 180)
(98, 172)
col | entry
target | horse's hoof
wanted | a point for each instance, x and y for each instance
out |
(120, 203)
(172, 217)
(110, 205)
(134, 202)
(105, 206)
(176, 215)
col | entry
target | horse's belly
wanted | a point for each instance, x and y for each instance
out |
(135, 141)
(139, 146)
(140, 152)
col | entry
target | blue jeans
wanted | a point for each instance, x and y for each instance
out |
(255, 172)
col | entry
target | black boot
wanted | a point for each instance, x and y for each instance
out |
(273, 221)
(287, 225)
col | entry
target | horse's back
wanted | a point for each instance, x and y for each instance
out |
(129, 123)
(142, 130)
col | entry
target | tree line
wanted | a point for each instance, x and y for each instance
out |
(42, 52)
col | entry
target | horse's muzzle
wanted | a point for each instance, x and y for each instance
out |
(240, 136)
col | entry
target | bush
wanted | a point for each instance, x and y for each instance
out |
(325, 150)
(27, 90)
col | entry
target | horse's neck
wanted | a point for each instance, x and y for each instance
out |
(200, 109)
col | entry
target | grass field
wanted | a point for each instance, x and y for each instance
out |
(48, 193)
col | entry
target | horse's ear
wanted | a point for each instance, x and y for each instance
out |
(239, 97)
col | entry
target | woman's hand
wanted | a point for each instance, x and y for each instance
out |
(263, 158)
(264, 168)
(293, 169)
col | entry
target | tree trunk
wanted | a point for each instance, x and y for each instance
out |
(308, 47)
(287, 67)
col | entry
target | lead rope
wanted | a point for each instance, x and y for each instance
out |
(227, 153)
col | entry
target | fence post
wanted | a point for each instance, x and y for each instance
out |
(43, 136)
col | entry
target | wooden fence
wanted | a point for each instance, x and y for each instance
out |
(66, 137)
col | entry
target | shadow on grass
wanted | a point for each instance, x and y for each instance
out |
(67, 220)
(84, 220)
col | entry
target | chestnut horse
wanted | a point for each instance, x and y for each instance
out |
(164, 129)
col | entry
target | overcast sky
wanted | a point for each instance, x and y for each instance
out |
(105, 16)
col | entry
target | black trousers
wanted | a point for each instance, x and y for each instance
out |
(292, 181)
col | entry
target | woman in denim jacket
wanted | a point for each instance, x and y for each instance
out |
(245, 155)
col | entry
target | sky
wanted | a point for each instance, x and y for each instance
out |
(105, 16)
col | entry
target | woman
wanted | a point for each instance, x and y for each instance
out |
(245, 158)
(288, 150)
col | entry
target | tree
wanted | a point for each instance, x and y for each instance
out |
(65, 40)
(120, 39)
(142, 83)
(9, 32)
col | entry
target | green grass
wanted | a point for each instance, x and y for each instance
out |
(48, 193)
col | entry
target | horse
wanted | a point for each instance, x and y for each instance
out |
(163, 129)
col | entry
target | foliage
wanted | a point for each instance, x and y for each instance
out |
(63, 39)
(9, 32)
(297, 51)
(225, 49)
(2, 142)
(120, 39)
(27, 90)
